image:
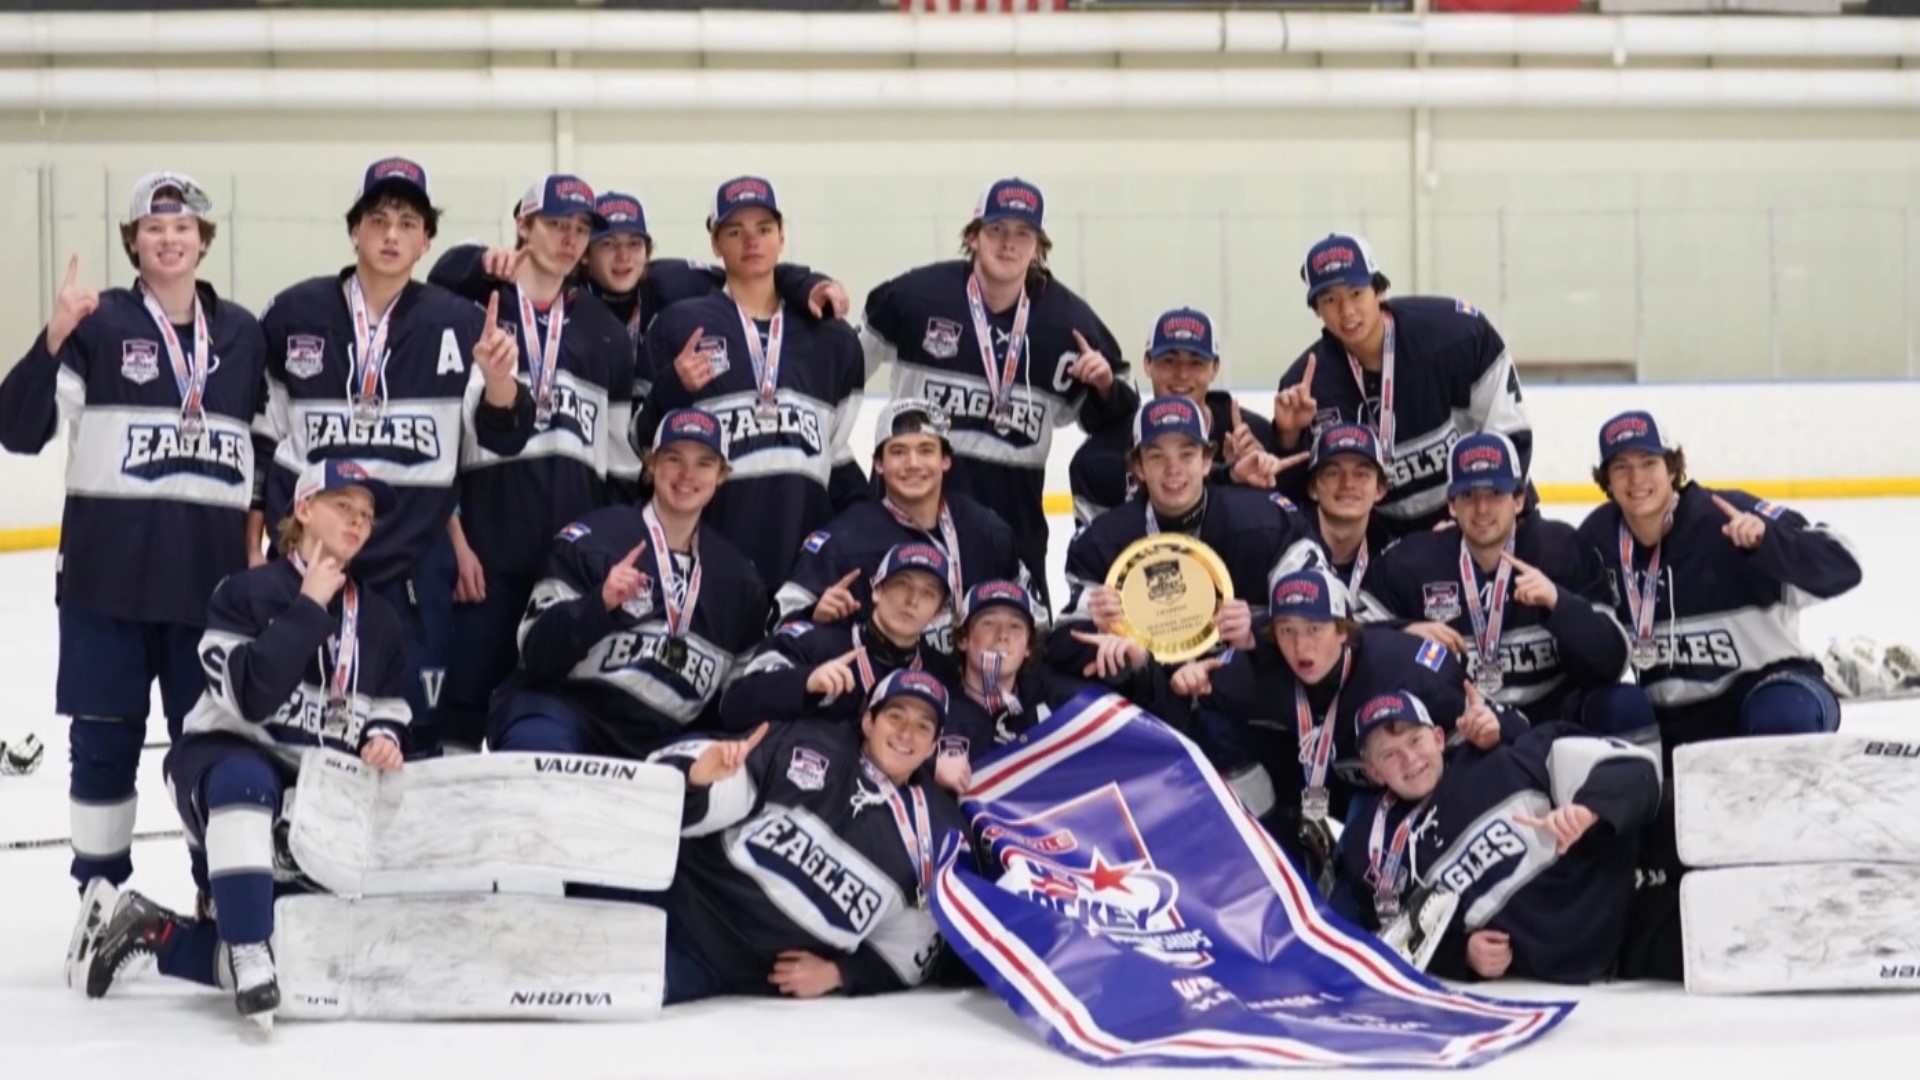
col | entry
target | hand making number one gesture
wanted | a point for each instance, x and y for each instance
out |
(1745, 529)
(498, 357)
(724, 758)
(74, 303)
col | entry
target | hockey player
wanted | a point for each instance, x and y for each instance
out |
(809, 853)
(370, 364)
(616, 264)
(298, 655)
(1521, 600)
(1536, 838)
(579, 371)
(1256, 535)
(1008, 353)
(1182, 361)
(157, 386)
(1289, 751)
(643, 617)
(786, 389)
(1345, 482)
(1710, 586)
(911, 456)
(808, 670)
(1004, 689)
(1458, 379)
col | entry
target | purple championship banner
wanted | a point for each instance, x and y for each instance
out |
(1137, 915)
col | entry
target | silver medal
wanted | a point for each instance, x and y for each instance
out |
(1002, 419)
(366, 409)
(1313, 804)
(543, 408)
(767, 410)
(1485, 674)
(193, 426)
(1644, 654)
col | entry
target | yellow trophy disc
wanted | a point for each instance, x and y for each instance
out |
(1171, 586)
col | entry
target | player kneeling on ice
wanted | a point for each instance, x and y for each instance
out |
(809, 853)
(1536, 839)
(297, 657)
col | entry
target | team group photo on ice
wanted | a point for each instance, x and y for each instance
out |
(545, 611)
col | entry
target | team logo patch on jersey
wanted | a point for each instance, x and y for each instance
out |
(956, 745)
(942, 340)
(573, 532)
(808, 769)
(140, 361)
(1430, 655)
(1769, 510)
(306, 355)
(1441, 600)
(796, 628)
(815, 542)
(1323, 418)
(713, 349)
(642, 603)
(1281, 501)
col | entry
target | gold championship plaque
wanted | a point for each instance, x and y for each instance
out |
(1171, 586)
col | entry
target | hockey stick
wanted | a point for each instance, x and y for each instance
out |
(63, 841)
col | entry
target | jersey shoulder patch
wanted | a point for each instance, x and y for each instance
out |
(794, 628)
(814, 542)
(1769, 509)
(1282, 502)
(1465, 308)
(1430, 655)
(573, 532)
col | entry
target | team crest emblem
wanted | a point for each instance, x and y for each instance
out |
(140, 361)
(955, 745)
(1442, 600)
(1164, 581)
(306, 355)
(808, 769)
(1112, 890)
(943, 339)
(641, 605)
(713, 348)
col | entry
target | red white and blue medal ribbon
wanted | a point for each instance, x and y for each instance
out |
(1316, 742)
(1487, 623)
(916, 828)
(766, 359)
(1000, 379)
(679, 614)
(369, 350)
(189, 371)
(542, 362)
(1383, 861)
(948, 539)
(1384, 429)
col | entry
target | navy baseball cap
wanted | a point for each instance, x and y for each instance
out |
(912, 556)
(1313, 595)
(987, 594)
(150, 198)
(1183, 330)
(909, 682)
(620, 213)
(1635, 430)
(742, 193)
(1335, 440)
(909, 416)
(398, 175)
(559, 195)
(1483, 461)
(333, 474)
(1012, 199)
(1169, 416)
(1396, 708)
(1338, 260)
(691, 425)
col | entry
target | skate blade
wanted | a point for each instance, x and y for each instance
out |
(96, 909)
(260, 1026)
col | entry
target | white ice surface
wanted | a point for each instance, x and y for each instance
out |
(156, 1030)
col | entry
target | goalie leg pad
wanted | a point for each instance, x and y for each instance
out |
(469, 958)
(1797, 799)
(1775, 929)
(523, 823)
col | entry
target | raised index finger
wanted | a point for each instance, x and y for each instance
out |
(759, 733)
(73, 270)
(493, 311)
(1473, 693)
(1234, 408)
(852, 576)
(1726, 508)
(1080, 340)
(1306, 377)
(633, 557)
(1515, 560)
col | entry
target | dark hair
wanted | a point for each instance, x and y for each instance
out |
(127, 231)
(398, 197)
(1675, 458)
(1038, 275)
(1379, 284)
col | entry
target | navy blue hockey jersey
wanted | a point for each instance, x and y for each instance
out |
(975, 730)
(432, 396)
(577, 456)
(801, 850)
(792, 471)
(616, 665)
(1565, 915)
(1354, 570)
(153, 518)
(773, 685)
(1549, 660)
(1452, 376)
(1100, 480)
(921, 323)
(1259, 537)
(859, 538)
(1723, 618)
(274, 664)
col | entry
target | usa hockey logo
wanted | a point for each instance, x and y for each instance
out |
(713, 349)
(808, 769)
(140, 361)
(306, 355)
(1086, 860)
(942, 340)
